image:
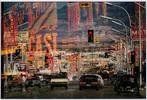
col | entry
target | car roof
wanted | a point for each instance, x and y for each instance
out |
(91, 75)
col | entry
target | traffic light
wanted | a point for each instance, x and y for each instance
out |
(90, 36)
(132, 57)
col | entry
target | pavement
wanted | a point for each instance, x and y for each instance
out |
(143, 92)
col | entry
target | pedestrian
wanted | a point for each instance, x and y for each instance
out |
(23, 82)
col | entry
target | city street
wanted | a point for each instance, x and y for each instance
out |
(57, 49)
(72, 92)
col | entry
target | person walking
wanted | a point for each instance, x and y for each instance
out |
(23, 82)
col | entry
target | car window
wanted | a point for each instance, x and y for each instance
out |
(88, 78)
(60, 75)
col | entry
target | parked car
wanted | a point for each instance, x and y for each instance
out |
(115, 77)
(126, 83)
(14, 81)
(33, 81)
(59, 80)
(91, 81)
(47, 79)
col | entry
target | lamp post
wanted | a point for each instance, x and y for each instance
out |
(114, 20)
(126, 50)
(122, 9)
(108, 3)
(140, 53)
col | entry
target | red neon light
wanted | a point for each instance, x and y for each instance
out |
(104, 8)
(97, 8)
(30, 17)
(75, 17)
(90, 15)
(69, 17)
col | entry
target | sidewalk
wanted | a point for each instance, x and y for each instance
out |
(142, 92)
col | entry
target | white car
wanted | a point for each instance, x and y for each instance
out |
(101, 81)
(59, 80)
(91, 81)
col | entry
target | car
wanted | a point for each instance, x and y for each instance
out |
(126, 83)
(59, 80)
(91, 81)
(47, 79)
(105, 74)
(33, 81)
(13, 81)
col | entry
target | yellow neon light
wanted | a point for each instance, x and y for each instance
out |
(8, 51)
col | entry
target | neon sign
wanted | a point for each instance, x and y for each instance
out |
(50, 41)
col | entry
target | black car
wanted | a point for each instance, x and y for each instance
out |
(126, 83)
(34, 81)
(90, 81)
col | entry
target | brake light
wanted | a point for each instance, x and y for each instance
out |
(93, 82)
(82, 82)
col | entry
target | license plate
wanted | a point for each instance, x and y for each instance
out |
(87, 84)
(128, 87)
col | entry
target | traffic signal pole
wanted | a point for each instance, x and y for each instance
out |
(140, 53)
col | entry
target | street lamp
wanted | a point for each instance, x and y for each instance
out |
(140, 51)
(114, 20)
(108, 3)
(140, 5)
(122, 9)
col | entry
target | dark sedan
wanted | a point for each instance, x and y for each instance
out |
(91, 81)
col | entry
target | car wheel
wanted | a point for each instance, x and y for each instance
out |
(115, 89)
(136, 91)
(97, 88)
(120, 89)
(52, 87)
(80, 88)
(66, 87)
(39, 86)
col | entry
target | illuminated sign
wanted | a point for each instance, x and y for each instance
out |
(49, 40)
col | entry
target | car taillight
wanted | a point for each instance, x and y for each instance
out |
(82, 82)
(93, 82)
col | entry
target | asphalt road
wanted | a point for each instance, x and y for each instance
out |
(72, 92)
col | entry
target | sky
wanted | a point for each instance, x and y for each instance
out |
(62, 15)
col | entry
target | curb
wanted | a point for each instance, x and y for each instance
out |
(142, 92)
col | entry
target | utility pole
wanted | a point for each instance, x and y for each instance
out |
(140, 48)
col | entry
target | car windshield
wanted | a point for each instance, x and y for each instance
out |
(59, 75)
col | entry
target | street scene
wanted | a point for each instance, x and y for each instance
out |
(65, 50)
